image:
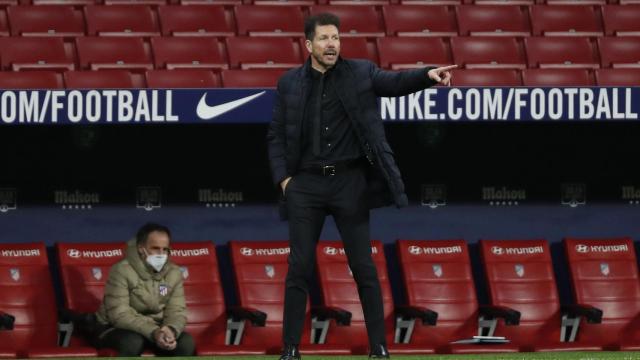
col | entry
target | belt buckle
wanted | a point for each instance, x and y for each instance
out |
(329, 170)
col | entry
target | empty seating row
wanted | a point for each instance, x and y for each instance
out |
(313, 2)
(265, 78)
(133, 53)
(441, 302)
(395, 20)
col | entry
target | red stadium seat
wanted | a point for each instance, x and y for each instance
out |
(206, 310)
(561, 52)
(437, 276)
(354, 20)
(411, 52)
(84, 269)
(182, 78)
(575, 2)
(621, 20)
(339, 290)
(618, 77)
(620, 52)
(493, 20)
(30, 80)
(120, 20)
(604, 274)
(417, 20)
(504, 2)
(520, 278)
(486, 77)
(269, 20)
(195, 20)
(100, 79)
(260, 269)
(187, 52)
(46, 20)
(4, 24)
(430, 2)
(210, 2)
(565, 20)
(66, 2)
(129, 53)
(20, 53)
(557, 77)
(26, 292)
(255, 78)
(488, 52)
(136, 2)
(285, 2)
(272, 52)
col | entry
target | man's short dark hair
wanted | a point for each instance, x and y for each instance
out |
(311, 22)
(148, 228)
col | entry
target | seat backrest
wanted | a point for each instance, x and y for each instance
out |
(104, 52)
(26, 292)
(557, 77)
(417, 20)
(339, 289)
(45, 53)
(260, 269)
(99, 79)
(486, 77)
(263, 52)
(437, 275)
(520, 276)
(405, 52)
(206, 316)
(187, 52)
(121, 20)
(620, 51)
(493, 20)
(84, 268)
(257, 78)
(182, 78)
(618, 77)
(488, 52)
(269, 20)
(561, 52)
(604, 274)
(46, 20)
(355, 20)
(195, 20)
(550, 20)
(621, 19)
(30, 80)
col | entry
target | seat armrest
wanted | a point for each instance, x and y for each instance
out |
(428, 317)
(6, 321)
(591, 313)
(510, 316)
(257, 317)
(341, 316)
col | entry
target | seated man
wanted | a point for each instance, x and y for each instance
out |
(144, 305)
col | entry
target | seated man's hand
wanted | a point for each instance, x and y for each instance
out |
(164, 338)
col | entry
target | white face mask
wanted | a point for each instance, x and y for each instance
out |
(156, 261)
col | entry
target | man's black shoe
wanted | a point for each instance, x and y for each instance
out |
(290, 352)
(379, 352)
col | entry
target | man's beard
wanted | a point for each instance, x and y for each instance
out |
(321, 62)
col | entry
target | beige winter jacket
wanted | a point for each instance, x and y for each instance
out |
(139, 299)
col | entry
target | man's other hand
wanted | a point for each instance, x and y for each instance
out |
(442, 74)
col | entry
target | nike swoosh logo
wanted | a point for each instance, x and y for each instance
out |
(207, 112)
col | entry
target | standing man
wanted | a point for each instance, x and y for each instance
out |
(144, 303)
(329, 155)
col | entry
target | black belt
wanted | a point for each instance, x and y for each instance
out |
(334, 169)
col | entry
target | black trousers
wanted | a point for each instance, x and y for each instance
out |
(130, 343)
(310, 198)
